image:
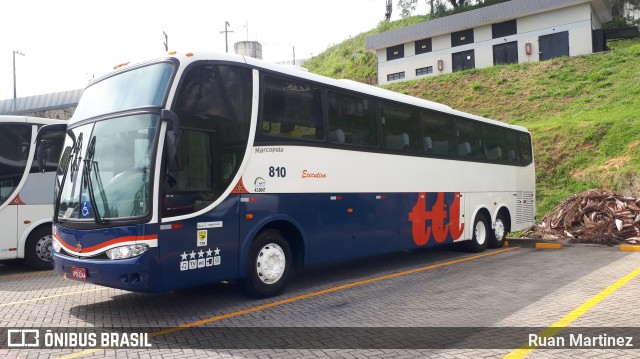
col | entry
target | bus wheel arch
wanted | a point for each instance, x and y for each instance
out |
(480, 231)
(37, 247)
(501, 227)
(274, 252)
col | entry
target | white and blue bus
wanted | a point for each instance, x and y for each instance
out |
(199, 168)
(26, 189)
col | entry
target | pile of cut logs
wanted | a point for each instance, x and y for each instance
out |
(594, 216)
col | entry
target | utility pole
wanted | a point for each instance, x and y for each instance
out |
(14, 71)
(166, 41)
(225, 32)
(294, 55)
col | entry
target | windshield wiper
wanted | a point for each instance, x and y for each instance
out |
(89, 165)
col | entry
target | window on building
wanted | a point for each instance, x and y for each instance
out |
(423, 46)
(463, 37)
(395, 52)
(424, 70)
(506, 53)
(503, 29)
(395, 76)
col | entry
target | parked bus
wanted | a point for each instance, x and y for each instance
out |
(26, 192)
(200, 168)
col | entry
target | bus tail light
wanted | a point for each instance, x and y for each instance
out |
(128, 251)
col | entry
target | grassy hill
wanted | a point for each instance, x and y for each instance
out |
(583, 112)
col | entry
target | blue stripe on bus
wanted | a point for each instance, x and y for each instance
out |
(215, 246)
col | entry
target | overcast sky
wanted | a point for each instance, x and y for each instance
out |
(67, 42)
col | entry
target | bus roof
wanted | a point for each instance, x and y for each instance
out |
(350, 85)
(30, 119)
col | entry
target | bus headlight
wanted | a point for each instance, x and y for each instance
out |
(56, 245)
(129, 251)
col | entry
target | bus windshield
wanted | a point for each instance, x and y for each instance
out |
(107, 169)
(141, 87)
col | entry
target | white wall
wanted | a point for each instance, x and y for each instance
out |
(577, 20)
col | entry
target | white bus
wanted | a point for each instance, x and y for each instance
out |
(197, 168)
(26, 192)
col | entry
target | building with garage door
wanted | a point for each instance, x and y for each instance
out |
(515, 31)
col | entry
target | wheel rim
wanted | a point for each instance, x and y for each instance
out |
(481, 232)
(43, 248)
(271, 263)
(499, 230)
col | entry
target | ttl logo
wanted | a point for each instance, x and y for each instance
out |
(438, 215)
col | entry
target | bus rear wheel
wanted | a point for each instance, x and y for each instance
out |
(37, 250)
(478, 242)
(269, 265)
(499, 233)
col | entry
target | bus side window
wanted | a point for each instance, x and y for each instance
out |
(355, 116)
(400, 127)
(526, 157)
(52, 143)
(438, 134)
(214, 108)
(291, 109)
(470, 144)
(14, 138)
(512, 155)
(494, 142)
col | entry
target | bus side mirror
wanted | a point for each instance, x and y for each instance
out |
(173, 141)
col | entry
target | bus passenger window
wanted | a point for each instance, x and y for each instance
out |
(400, 127)
(291, 109)
(512, 156)
(470, 144)
(495, 142)
(355, 116)
(438, 134)
(526, 156)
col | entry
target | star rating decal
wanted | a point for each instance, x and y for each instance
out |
(197, 260)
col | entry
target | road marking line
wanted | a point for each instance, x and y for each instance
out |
(51, 296)
(629, 248)
(548, 245)
(299, 297)
(556, 327)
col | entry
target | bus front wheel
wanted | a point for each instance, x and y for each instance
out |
(269, 265)
(37, 250)
(478, 242)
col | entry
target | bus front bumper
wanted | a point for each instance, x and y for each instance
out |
(131, 274)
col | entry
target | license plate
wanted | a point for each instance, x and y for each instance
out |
(79, 273)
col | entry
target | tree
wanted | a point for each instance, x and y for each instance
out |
(407, 7)
(620, 9)
(458, 3)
